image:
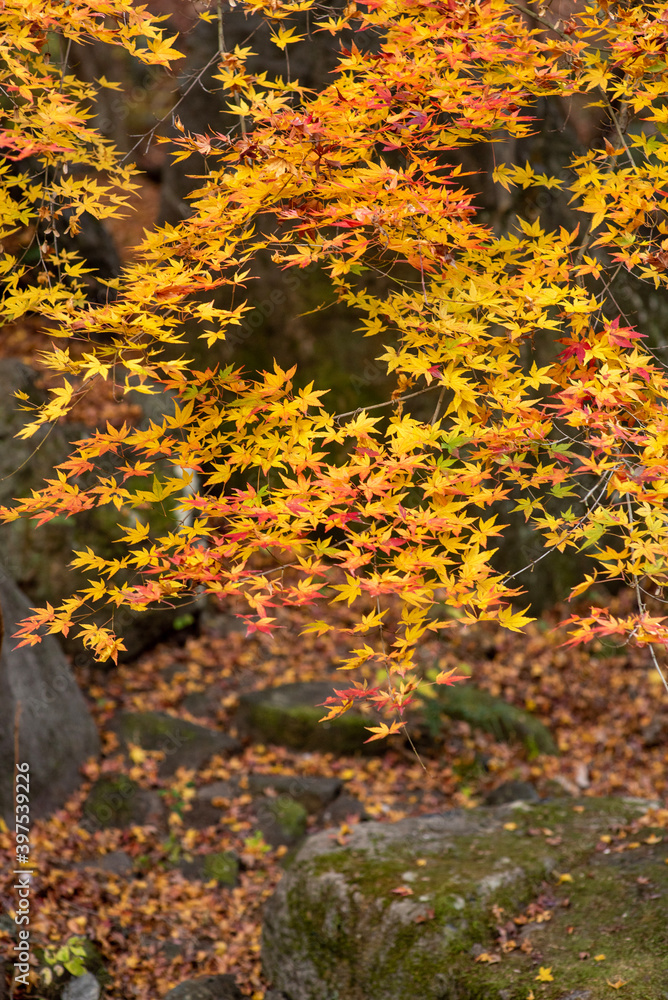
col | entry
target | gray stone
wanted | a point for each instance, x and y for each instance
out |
(202, 811)
(117, 801)
(656, 733)
(222, 866)
(313, 793)
(116, 863)
(218, 790)
(511, 791)
(282, 821)
(85, 987)
(344, 809)
(206, 988)
(184, 743)
(336, 926)
(43, 709)
(290, 715)
(204, 703)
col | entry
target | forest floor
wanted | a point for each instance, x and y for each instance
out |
(154, 928)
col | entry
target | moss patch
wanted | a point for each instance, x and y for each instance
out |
(112, 802)
(609, 913)
(223, 867)
(491, 715)
(282, 820)
(155, 730)
(290, 715)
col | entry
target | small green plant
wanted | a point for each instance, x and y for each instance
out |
(177, 801)
(172, 848)
(69, 957)
(256, 844)
(183, 621)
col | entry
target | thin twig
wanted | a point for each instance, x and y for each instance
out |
(438, 405)
(657, 667)
(389, 402)
(389, 681)
(642, 607)
(570, 531)
(221, 36)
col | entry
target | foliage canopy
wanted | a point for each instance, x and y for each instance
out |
(363, 179)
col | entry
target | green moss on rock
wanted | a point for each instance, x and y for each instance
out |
(491, 715)
(290, 715)
(282, 820)
(290, 815)
(337, 924)
(112, 802)
(223, 867)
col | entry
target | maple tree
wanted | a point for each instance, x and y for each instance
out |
(362, 179)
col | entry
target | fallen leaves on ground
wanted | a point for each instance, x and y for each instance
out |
(155, 929)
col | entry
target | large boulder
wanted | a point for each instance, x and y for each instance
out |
(472, 904)
(290, 714)
(42, 712)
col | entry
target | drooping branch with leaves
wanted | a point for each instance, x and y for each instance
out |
(297, 505)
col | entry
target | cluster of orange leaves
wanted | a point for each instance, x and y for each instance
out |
(357, 179)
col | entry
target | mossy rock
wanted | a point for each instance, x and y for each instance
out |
(222, 866)
(282, 820)
(289, 715)
(184, 743)
(492, 715)
(115, 801)
(336, 927)
(312, 792)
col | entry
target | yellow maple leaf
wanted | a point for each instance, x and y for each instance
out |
(381, 731)
(545, 974)
(285, 36)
